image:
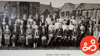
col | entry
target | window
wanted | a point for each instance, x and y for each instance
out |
(68, 13)
(62, 14)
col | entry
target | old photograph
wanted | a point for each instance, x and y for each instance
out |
(35, 26)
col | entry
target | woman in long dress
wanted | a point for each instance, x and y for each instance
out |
(28, 36)
(7, 34)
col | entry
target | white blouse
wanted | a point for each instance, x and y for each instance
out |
(71, 27)
(64, 27)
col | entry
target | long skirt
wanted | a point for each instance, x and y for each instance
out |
(22, 39)
(0, 38)
(28, 39)
(7, 39)
(44, 40)
(35, 40)
(13, 38)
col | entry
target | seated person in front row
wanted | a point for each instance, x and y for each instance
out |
(36, 36)
(43, 36)
(74, 37)
(7, 35)
(14, 36)
(51, 32)
(59, 35)
(22, 35)
(28, 36)
(66, 36)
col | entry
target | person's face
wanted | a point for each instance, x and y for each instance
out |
(64, 22)
(24, 15)
(36, 15)
(4, 14)
(90, 22)
(7, 27)
(72, 17)
(3, 20)
(34, 23)
(30, 16)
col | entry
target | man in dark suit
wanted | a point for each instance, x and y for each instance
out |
(59, 35)
(66, 35)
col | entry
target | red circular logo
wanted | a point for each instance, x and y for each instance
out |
(89, 45)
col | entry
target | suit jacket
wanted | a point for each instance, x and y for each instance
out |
(66, 32)
(59, 32)
(75, 33)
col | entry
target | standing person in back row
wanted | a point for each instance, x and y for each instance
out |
(30, 20)
(25, 21)
(6, 18)
(48, 20)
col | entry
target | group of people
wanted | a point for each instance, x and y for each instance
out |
(47, 31)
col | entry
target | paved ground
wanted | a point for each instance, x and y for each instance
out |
(40, 48)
